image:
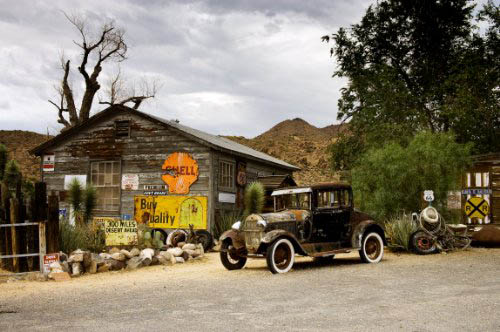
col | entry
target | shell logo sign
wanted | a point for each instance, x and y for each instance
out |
(180, 172)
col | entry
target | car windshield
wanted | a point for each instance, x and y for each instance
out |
(292, 201)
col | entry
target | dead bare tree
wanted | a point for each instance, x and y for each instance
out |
(106, 45)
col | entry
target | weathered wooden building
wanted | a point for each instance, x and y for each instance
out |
(481, 183)
(138, 161)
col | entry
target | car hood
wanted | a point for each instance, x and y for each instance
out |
(286, 215)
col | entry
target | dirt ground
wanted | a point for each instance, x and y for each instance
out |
(456, 291)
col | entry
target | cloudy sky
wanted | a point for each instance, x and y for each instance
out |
(227, 67)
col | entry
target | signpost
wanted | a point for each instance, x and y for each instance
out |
(477, 207)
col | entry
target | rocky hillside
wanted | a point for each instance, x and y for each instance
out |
(300, 144)
(18, 144)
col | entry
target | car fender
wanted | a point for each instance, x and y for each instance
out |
(361, 228)
(237, 239)
(273, 235)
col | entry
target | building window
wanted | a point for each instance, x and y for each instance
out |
(105, 177)
(226, 175)
(122, 128)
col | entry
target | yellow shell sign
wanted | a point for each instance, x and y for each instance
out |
(181, 171)
(171, 211)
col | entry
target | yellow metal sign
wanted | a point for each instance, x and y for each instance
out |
(171, 211)
(118, 232)
(476, 207)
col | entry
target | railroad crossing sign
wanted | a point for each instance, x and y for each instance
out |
(476, 207)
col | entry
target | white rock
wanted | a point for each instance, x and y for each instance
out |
(118, 256)
(126, 253)
(105, 255)
(147, 253)
(166, 254)
(162, 260)
(76, 269)
(175, 251)
(135, 252)
(173, 259)
(190, 246)
(191, 252)
(75, 258)
(179, 259)
(55, 266)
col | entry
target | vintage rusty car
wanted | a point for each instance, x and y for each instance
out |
(317, 221)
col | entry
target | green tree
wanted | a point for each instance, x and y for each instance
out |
(3, 159)
(418, 65)
(392, 178)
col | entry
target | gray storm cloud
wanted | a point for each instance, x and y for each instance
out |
(226, 67)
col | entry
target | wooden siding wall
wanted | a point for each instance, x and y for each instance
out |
(253, 170)
(143, 154)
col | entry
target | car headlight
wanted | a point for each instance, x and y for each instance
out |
(236, 226)
(262, 223)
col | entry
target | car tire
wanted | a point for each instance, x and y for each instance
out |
(206, 239)
(231, 262)
(280, 256)
(372, 248)
(174, 237)
(423, 243)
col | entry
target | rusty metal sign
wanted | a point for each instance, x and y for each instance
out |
(476, 207)
(180, 172)
(171, 211)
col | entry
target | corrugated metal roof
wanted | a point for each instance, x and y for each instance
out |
(275, 181)
(211, 140)
(225, 143)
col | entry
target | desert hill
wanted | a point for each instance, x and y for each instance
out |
(299, 143)
(294, 141)
(18, 143)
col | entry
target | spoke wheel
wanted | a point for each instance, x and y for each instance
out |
(280, 256)
(423, 243)
(229, 259)
(372, 249)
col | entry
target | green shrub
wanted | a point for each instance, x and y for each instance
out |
(80, 236)
(224, 223)
(392, 178)
(12, 173)
(254, 198)
(3, 159)
(83, 201)
(89, 202)
(398, 230)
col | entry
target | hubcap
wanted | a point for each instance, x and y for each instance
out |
(372, 248)
(282, 256)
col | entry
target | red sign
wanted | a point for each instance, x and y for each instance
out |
(49, 161)
(49, 259)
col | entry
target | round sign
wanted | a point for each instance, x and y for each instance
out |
(476, 207)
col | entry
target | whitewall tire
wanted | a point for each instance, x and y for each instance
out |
(280, 256)
(372, 248)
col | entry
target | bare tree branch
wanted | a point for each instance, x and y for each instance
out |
(107, 44)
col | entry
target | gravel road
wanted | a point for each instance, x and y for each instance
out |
(457, 291)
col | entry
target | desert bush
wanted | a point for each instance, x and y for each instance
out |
(225, 221)
(254, 198)
(80, 236)
(398, 230)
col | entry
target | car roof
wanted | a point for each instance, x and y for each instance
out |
(319, 186)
